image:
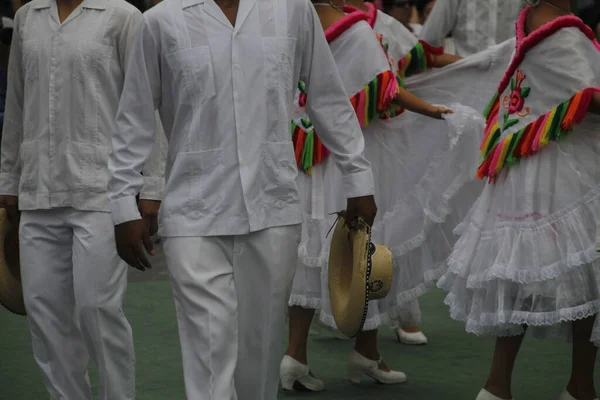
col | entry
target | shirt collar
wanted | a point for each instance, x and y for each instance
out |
(38, 5)
(190, 3)
(95, 4)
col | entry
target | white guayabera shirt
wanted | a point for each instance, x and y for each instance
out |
(225, 93)
(64, 84)
(475, 25)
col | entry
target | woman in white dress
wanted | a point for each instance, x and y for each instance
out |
(401, 190)
(526, 260)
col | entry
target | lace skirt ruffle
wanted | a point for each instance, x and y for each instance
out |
(424, 186)
(526, 254)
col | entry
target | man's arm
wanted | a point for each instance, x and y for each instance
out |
(441, 22)
(12, 132)
(134, 139)
(154, 169)
(330, 110)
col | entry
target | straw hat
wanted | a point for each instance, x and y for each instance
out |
(359, 271)
(11, 292)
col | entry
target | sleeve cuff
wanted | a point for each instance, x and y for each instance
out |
(9, 184)
(124, 209)
(153, 188)
(359, 184)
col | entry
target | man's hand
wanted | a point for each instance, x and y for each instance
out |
(132, 237)
(11, 204)
(361, 207)
(149, 211)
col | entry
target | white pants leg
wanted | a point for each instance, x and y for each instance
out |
(264, 267)
(47, 277)
(71, 272)
(231, 293)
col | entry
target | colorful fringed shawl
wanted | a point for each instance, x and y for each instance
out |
(365, 72)
(542, 95)
(410, 56)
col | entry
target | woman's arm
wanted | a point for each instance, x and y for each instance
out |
(595, 104)
(406, 99)
(443, 59)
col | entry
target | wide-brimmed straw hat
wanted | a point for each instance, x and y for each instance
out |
(359, 271)
(11, 291)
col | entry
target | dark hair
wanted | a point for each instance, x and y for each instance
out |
(591, 15)
(421, 4)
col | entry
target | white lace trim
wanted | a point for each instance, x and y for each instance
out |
(570, 221)
(511, 323)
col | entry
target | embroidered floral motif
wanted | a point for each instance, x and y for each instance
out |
(515, 101)
(302, 97)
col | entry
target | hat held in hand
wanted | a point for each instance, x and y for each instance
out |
(359, 271)
(11, 291)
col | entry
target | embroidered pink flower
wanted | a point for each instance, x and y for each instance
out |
(518, 95)
(516, 101)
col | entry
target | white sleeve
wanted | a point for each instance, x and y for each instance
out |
(329, 108)
(135, 134)
(441, 22)
(154, 170)
(12, 131)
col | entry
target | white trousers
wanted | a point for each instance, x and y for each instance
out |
(73, 284)
(231, 295)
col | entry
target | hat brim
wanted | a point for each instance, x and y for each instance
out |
(349, 271)
(11, 290)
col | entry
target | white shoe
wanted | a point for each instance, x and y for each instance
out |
(297, 376)
(567, 396)
(411, 338)
(485, 395)
(358, 365)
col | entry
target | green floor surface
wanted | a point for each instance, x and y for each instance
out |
(452, 367)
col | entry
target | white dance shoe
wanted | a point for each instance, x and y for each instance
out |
(411, 338)
(567, 396)
(359, 365)
(296, 376)
(485, 395)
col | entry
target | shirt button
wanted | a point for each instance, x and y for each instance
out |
(241, 131)
(237, 97)
(236, 66)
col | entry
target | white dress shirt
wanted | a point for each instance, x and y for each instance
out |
(225, 93)
(475, 25)
(64, 84)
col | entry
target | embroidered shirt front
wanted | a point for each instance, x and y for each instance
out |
(225, 94)
(64, 84)
(475, 25)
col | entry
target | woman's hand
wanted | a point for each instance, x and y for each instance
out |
(439, 112)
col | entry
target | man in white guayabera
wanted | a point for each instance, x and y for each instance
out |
(65, 77)
(475, 25)
(223, 75)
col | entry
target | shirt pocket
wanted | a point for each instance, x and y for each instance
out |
(29, 158)
(84, 168)
(90, 61)
(90, 71)
(193, 78)
(278, 174)
(200, 190)
(30, 55)
(280, 86)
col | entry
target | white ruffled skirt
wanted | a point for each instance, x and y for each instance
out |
(424, 186)
(526, 254)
